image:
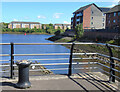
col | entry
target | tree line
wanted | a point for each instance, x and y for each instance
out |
(48, 29)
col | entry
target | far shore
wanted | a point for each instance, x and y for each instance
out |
(24, 33)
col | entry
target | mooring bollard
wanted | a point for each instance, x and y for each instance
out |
(23, 75)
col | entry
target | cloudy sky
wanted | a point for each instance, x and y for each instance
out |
(44, 12)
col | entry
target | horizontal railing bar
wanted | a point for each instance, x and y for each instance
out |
(115, 70)
(85, 53)
(46, 69)
(60, 59)
(113, 45)
(53, 54)
(56, 64)
(103, 60)
(108, 73)
(115, 76)
(4, 65)
(103, 65)
(4, 54)
(42, 43)
(109, 57)
(61, 69)
(86, 68)
(4, 71)
(107, 61)
(40, 54)
(109, 67)
(65, 63)
(103, 70)
(84, 58)
(59, 44)
(4, 60)
(50, 59)
(4, 43)
(51, 69)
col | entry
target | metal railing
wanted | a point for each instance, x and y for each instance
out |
(110, 57)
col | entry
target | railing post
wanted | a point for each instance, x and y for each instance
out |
(12, 61)
(70, 60)
(112, 72)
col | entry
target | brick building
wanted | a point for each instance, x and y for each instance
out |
(62, 26)
(92, 17)
(113, 18)
(18, 24)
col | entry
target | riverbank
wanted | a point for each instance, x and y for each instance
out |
(24, 33)
(85, 48)
(89, 49)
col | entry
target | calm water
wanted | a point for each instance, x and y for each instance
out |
(37, 49)
(34, 49)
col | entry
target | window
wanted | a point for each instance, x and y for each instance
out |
(103, 24)
(92, 18)
(114, 21)
(73, 14)
(78, 20)
(92, 23)
(103, 14)
(103, 19)
(114, 14)
(109, 15)
(118, 13)
(92, 12)
(109, 21)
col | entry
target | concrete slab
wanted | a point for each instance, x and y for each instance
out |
(81, 81)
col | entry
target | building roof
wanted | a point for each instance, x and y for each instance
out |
(62, 24)
(104, 9)
(25, 22)
(114, 9)
(85, 7)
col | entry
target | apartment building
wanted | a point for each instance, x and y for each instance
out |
(18, 24)
(91, 16)
(62, 26)
(113, 18)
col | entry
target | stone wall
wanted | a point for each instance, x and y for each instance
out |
(102, 35)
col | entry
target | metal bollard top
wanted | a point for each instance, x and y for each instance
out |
(24, 62)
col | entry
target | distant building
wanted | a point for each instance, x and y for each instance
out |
(113, 17)
(18, 24)
(91, 16)
(62, 26)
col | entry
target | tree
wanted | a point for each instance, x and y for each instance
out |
(57, 32)
(79, 31)
(50, 24)
(43, 26)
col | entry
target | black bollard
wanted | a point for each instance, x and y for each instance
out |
(23, 81)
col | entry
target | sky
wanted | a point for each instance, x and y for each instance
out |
(44, 12)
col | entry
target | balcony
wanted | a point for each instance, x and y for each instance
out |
(78, 20)
(80, 14)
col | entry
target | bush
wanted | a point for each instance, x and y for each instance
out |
(79, 31)
(57, 32)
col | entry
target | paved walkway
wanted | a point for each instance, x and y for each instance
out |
(81, 81)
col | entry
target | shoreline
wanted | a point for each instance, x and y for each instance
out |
(26, 33)
(87, 49)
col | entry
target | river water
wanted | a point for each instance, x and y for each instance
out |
(37, 49)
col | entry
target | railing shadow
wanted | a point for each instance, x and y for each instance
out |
(78, 84)
(8, 84)
(92, 81)
(98, 81)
